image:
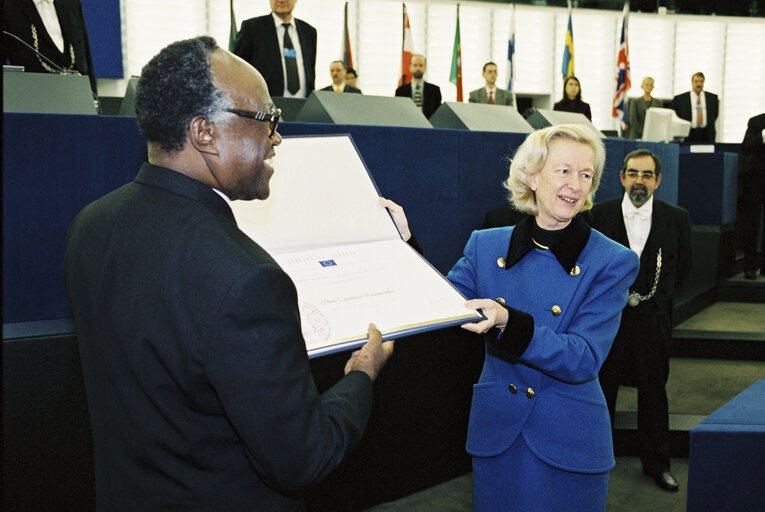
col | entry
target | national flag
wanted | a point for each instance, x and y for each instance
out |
(407, 50)
(232, 32)
(347, 56)
(623, 83)
(568, 49)
(511, 50)
(456, 75)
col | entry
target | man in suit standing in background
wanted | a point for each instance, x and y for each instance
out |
(282, 48)
(752, 196)
(199, 388)
(337, 73)
(660, 234)
(425, 95)
(55, 29)
(700, 108)
(490, 93)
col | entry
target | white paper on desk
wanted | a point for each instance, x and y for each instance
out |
(324, 226)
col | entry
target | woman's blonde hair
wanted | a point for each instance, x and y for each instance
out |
(531, 157)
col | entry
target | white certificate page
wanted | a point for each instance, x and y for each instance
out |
(324, 226)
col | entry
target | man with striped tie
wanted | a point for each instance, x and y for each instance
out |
(425, 95)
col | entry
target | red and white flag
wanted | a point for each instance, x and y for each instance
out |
(407, 50)
(347, 56)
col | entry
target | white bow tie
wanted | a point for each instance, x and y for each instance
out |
(642, 214)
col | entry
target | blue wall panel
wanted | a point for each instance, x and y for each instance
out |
(102, 17)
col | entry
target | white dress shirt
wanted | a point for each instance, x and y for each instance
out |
(638, 222)
(50, 19)
(298, 53)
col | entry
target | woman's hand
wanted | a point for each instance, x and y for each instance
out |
(399, 218)
(496, 316)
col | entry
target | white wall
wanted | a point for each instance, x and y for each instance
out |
(729, 50)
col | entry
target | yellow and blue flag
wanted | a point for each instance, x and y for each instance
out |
(568, 49)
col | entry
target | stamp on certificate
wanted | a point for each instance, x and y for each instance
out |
(315, 326)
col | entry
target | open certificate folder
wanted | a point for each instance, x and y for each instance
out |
(324, 225)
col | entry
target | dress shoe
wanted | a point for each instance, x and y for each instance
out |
(666, 481)
(750, 274)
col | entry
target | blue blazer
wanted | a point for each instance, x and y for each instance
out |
(558, 406)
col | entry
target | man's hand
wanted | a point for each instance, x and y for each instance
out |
(496, 316)
(372, 356)
(399, 218)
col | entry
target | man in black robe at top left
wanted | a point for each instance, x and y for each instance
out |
(54, 28)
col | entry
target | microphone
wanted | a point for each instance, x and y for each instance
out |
(39, 54)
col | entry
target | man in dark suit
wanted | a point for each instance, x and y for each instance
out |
(282, 48)
(660, 233)
(490, 93)
(198, 383)
(700, 108)
(66, 44)
(337, 72)
(425, 95)
(752, 196)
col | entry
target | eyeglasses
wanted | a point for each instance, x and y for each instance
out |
(646, 175)
(272, 117)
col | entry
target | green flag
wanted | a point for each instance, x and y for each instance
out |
(456, 75)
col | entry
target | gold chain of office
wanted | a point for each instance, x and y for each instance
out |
(45, 66)
(635, 298)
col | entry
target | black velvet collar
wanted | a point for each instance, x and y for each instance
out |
(566, 250)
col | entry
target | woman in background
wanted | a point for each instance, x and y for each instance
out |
(572, 98)
(638, 108)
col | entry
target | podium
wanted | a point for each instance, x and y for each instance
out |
(340, 108)
(45, 93)
(541, 118)
(480, 117)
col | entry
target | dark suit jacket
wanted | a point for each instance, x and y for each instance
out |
(753, 148)
(681, 104)
(258, 44)
(431, 99)
(198, 383)
(348, 88)
(670, 230)
(576, 107)
(18, 18)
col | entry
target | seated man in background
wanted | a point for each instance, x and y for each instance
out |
(337, 72)
(490, 93)
(54, 29)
